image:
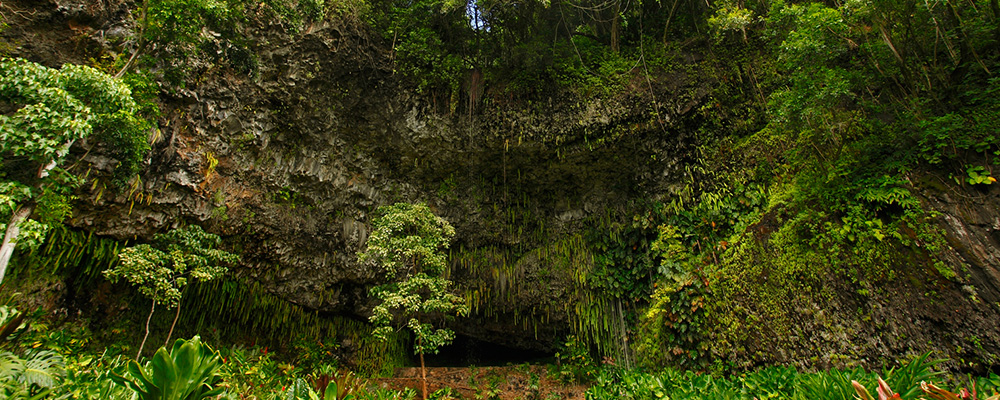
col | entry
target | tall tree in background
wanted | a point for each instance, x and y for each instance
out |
(43, 111)
(407, 244)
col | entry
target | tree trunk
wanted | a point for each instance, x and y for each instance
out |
(423, 373)
(143, 344)
(616, 28)
(23, 212)
(142, 40)
(176, 316)
(10, 237)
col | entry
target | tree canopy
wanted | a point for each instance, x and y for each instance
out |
(161, 270)
(406, 239)
(408, 243)
(43, 112)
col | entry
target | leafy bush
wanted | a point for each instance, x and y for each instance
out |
(574, 362)
(190, 371)
(89, 377)
(885, 392)
(253, 371)
(341, 385)
(344, 387)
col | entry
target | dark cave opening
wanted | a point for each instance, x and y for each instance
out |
(466, 351)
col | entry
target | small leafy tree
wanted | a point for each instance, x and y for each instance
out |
(407, 243)
(162, 269)
(43, 111)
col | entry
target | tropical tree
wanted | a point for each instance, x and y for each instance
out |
(43, 111)
(407, 243)
(162, 269)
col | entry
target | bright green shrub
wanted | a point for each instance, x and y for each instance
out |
(189, 371)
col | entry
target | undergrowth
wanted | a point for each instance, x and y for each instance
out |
(774, 383)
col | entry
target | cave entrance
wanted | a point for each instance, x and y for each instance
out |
(467, 351)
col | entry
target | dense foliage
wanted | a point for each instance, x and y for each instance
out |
(50, 363)
(45, 363)
(783, 383)
(407, 244)
(817, 122)
(817, 115)
(161, 271)
(822, 117)
(48, 110)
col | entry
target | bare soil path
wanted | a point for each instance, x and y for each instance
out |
(525, 382)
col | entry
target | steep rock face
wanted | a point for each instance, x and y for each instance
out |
(936, 296)
(290, 162)
(971, 221)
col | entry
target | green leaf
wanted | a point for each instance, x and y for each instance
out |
(188, 372)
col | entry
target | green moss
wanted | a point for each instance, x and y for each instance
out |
(810, 260)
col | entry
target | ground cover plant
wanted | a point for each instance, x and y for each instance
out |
(39, 363)
(914, 380)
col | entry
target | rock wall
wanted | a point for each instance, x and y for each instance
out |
(289, 162)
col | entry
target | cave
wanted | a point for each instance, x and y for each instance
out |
(467, 351)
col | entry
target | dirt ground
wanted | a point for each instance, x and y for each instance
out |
(524, 382)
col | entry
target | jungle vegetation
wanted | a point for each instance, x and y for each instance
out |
(819, 113)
